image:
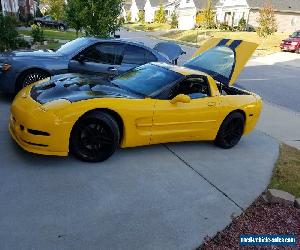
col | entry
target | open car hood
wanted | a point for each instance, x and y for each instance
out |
(223, 59)
(171, 50)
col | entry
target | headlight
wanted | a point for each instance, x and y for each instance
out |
(294, 43)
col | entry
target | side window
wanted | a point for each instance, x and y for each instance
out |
(106, 53)
(195, 87)
(137, 55)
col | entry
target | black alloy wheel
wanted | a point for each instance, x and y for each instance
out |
(231, 130)
(30, 77)
(95, 137)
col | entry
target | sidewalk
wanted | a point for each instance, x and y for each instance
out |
(281, 124)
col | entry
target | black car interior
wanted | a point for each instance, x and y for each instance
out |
(195, 87)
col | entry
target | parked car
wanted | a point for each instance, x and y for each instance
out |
(292, 43)
(48, 21)
(153, 103)
(86, 55)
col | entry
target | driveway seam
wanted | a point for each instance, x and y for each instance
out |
(203, 177)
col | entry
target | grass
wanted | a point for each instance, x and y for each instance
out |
(51, 34)
(267, 45)
(148, 26)
(286, 175)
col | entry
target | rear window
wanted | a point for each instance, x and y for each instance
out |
(216, 61)
(296, 34)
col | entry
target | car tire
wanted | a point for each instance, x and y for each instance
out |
(231, 130)
(29, 77)
(95, 137)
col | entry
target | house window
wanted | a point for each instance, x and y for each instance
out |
(188, 1)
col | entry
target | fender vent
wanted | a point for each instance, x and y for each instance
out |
(37, 132)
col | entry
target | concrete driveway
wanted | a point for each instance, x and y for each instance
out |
(157, 197)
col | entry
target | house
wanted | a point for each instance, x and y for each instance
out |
(287, 13)
(152, 6)
(27, 7)
(135, 8)
(188, 10)
(18, 7)
(9, 6)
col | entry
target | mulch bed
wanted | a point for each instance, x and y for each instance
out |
(259, 218)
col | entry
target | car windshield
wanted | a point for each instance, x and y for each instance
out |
(73, 46)
(146, 79)
(296, 34)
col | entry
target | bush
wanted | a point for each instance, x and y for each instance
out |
(266, 21)
(37, 34)
(22, 43)
(174, 20)
(128, 16)
(8, 34)
(141, 16)
(160, 15)
(224, 26)
(242, 25)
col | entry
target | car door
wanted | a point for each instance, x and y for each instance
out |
(102, 59)
(48, 21)
(196, 119)
(134, 56)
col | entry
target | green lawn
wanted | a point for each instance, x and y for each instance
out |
(148, 26)
(51, 34)
(286, 175)
(266, 45)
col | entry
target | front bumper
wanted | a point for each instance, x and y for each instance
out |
(36, 130)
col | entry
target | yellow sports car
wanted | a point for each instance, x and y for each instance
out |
(154, 103)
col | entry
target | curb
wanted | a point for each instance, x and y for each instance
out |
(276, 196)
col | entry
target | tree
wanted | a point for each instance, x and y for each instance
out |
(56, 8)
(128, 16)
(74, 14)
(174, 20)
(266, 21)
(242, 24)
(208, 16)
(141, 16)
(8, 34)
(102, 17)
(160, 15)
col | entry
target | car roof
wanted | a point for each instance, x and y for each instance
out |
(180, 69)
(112, 39)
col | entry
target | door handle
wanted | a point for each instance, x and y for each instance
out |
(212, 104)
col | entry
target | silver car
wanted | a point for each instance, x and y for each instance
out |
(86, 55)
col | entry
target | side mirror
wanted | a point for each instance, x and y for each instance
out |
(181, 98)
(81, 58)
